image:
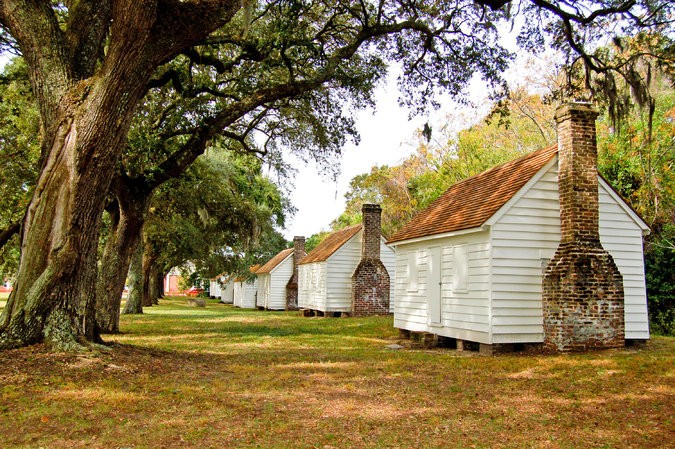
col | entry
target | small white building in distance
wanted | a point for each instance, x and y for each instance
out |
(350, 271)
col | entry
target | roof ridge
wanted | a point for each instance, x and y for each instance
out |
(331, 244)
(274, 261)
(471, 201)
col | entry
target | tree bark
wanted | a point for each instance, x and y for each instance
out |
(153, 284)
(87, 100)
(134, 303)
(57, 272)
(9, 232)
(160, 282)
(127, 214)
(149, 259)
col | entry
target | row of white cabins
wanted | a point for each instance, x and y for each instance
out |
(540, 250)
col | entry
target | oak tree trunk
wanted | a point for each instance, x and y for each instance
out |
(134, 303)
(149, 259)
(153, 284)
(55, 289)
(127, 216)
(89, 65)
(160, 283)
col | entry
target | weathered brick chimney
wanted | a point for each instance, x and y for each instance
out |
(582, 297)
(292, 286)
(370, 281)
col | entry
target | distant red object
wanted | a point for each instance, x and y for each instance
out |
(194, 291)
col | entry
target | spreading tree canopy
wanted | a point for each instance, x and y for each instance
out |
(227, 69)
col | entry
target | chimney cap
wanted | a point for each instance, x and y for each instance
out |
(564, 111)
(370, 207)
(298, 237)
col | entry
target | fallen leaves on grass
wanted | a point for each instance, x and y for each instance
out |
(276, 380)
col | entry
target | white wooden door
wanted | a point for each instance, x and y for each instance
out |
(434, 286)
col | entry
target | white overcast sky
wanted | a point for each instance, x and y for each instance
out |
(387, 137)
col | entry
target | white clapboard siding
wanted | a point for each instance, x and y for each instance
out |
(238, 293)
(250, 289)
(275, 298)
(410, 308)
(528, 234)
(388, 258)
(263, 289)
(227, 293)
(340, 267)
(311, 285)
(627, 252)
(464, 314)
(245, 294)
(214, 288)
(523, 238)
(327, 286)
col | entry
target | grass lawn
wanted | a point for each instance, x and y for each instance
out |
(3, 299)
(220, 377)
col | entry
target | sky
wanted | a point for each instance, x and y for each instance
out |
(387, 138)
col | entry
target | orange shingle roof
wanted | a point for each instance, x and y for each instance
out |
(274, 261)
(471, 202)
(331, 244)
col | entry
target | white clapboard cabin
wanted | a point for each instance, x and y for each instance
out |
(245, 290)
(325, 274)
(273, 277)
(215, 286)
(227, 289)
(470, 266)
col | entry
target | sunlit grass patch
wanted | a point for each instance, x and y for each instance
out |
(181, 376)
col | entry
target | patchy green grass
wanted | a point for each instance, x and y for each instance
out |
(218, 376)
(3, 299)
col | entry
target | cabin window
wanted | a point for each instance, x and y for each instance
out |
(460, 278)
(413, 271)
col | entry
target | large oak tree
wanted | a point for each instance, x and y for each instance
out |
(91, 63)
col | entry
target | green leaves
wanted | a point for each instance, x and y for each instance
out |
(215, 214)
(19, 154)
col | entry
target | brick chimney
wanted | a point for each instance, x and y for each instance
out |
(582, 291)
(370, 281)
(292, 286)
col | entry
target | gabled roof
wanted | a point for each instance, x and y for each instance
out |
(274, 261)
(471, 202)
(229, 278)
(253, 269)
(331, 244)
(223, 274)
